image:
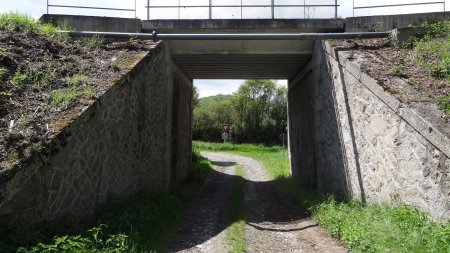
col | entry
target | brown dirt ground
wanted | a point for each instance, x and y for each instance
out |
(27, 115)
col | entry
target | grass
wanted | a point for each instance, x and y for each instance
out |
(63, 98)
(77, 80)
(274, 158)
(363, 228)
(141, 223)
(10, 20)
(444, 103)
(396, 71)
(19, 78)
(235, 233)
(432, 51)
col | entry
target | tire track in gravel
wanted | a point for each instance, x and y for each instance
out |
(274, 221)
(207, 218)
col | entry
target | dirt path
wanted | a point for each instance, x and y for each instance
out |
(274, 221)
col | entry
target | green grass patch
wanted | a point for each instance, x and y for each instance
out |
(10, 21)
(235, 232)
(432, 51)
(274, 158)
(381, 228)
(19, 78)
(63, 98)
(363, 228)
(77, 80)
(444, 103)
(140, 223)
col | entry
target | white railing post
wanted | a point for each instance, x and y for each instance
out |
(148, 9)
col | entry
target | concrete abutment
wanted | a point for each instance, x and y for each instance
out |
(350, 137)
(136, 137)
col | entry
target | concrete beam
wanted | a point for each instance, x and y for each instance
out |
(92, 23)
(246, 25)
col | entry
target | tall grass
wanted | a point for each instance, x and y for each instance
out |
(10, 22)
(363, 228)
(140, 223)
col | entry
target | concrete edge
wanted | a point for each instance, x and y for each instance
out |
(428, 130)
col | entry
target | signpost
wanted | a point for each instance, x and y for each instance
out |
(226, 135)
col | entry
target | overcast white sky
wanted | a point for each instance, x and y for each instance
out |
(36, 8)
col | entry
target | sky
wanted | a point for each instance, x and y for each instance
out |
(36, 8)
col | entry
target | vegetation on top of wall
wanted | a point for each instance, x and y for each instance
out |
(141, 223)
(433, 49)
(422, 60)
(46, 76)
(363, 228)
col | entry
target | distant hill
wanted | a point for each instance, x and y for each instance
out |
(209, 101)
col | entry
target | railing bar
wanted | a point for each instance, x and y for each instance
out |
(244, 6)
(88, 7)
(395, 5)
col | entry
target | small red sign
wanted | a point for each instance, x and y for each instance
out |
(225, 128)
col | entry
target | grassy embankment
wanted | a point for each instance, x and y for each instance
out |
(142, 223)
(363, 228)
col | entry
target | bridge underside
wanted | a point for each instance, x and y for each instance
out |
(241, 59)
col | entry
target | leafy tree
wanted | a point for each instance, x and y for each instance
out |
(252, 104)
(257, 113)
(195, 97)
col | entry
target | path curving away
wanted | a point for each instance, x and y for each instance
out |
(274, 222)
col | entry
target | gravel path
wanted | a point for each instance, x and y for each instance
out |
(274, 221)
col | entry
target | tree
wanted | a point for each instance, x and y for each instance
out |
(252, 105)
(257, 112)
(278, 110)
(195, 97)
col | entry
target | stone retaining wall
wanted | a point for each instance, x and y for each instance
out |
(122, 144)
(367, 144)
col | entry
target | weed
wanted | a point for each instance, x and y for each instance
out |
(444, 103)
(19, 78)
(11, 159)
(396, 71)
(63, 98)
(4, 94)
(358, 42)
(93, 241)
(43, 76)
(114, 65)
(95, 42)
(23, 121)
(437, 29)
(3, 73)
(88, 92)
(413, 82)
(77, 80)
(378, 27)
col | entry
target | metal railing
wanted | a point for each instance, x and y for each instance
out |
(273, 6)
(397, 5)
(49, 5)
